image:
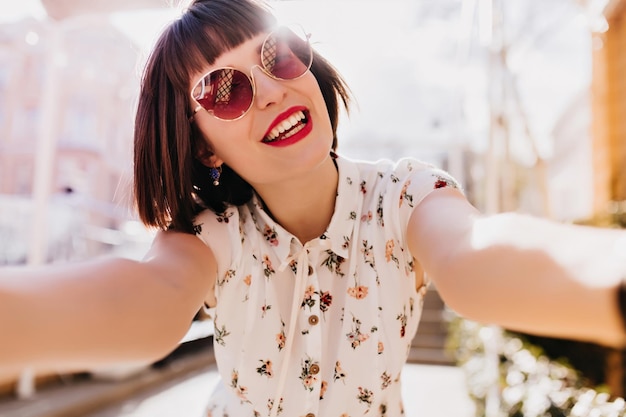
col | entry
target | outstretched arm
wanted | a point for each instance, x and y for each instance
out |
(72, 316)
(521, 272)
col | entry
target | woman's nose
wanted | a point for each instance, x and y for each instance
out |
(268, 90)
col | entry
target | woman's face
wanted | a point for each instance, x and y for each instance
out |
(250, 145)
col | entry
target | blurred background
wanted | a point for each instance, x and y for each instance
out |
(505, 95)
(524, 101)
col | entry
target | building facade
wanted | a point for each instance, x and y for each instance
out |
(67, 92)
(609, 109)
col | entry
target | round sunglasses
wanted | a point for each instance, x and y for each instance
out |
(228, 93)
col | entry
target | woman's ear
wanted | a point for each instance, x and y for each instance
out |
(207, 157)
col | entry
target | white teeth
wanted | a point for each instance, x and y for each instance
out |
(286, 125)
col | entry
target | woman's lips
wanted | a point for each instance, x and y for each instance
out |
(290, 127)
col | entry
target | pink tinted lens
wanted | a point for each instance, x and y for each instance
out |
(226, 93)
(286, 55)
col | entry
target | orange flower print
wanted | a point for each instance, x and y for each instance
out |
(389, 256)
(308, 299)
(281, 339)
(309, 379)
(293, 265)
(268, 269)
(234, 378)
(323, 389)
(227, 276)
(270, 235)
(404, 196)
(356, 337)
(239, 390)
(339, 372)
(247, 280)
(358, 291)
(389, 250)
(367, 218)
(265, 368)
(385, 380)
(308, 382)
(381, 347)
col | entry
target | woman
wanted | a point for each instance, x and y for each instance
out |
(316, 265)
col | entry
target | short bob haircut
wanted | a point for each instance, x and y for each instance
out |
(171, 186)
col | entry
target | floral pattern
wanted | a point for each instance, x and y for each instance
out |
(355, 297)
(356, 337)
(308, 378)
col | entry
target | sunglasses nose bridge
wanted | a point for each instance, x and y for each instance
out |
(262, 70)
(271, 90)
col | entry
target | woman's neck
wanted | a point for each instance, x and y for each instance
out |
(303, 205)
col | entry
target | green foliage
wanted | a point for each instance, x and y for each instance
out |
(507, 373)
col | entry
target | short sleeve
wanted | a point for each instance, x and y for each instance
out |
(420, 180)
(218, 231)
(407, 184)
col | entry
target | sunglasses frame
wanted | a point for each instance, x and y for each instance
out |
(250, 77)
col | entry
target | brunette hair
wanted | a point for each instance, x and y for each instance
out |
(171, 186)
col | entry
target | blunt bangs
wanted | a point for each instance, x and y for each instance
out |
(205, 31)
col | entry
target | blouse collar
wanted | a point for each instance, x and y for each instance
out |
(338, 235)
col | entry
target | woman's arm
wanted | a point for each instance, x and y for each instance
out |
(67, 317)
(521, 272)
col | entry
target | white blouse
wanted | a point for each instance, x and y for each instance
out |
(321, 328)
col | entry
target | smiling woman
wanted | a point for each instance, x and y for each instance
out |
(315, 263)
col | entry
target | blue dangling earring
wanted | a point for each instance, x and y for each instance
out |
(215, 173)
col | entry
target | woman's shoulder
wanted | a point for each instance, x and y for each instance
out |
(211, 226)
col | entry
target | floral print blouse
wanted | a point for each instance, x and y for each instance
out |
(321, 328)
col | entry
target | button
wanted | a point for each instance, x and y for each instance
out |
(313, 320)
(310, 270)
(310, 415)
(314, 369)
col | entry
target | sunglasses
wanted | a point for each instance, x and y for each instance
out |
(228, 93)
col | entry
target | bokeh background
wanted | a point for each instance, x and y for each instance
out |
(499, 93)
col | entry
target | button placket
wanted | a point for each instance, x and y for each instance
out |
(301, 256)
(311, 324)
